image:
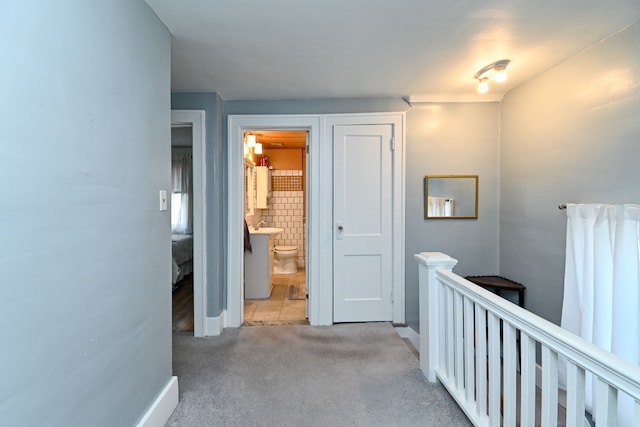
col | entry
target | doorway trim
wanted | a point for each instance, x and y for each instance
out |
(237, 125)
(196, 119)
(397, 121)
(319, 254)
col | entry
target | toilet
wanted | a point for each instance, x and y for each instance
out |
(285, 261)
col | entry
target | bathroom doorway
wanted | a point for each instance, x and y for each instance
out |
(275, 201)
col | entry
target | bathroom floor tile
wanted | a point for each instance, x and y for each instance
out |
(249, 309)
(279, 292)
(291, 313)
(266, 315)
(297, 304)
(268, 307)
(278, 309)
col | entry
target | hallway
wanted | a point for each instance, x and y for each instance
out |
(341, 375)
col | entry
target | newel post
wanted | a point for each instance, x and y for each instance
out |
(428, 264)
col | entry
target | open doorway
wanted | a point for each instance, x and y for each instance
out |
(238, 126)
(275, 202)
(181, 194)
(188, 200)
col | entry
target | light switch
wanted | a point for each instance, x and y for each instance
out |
(163, 200)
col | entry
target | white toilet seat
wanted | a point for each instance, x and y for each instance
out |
(286, 250)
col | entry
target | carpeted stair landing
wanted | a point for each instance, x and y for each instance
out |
(341, 375)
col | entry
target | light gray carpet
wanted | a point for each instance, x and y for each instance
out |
(341, 375)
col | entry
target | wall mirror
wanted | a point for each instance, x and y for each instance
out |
(451, 196)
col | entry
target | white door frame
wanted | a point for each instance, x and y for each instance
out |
(363, 223)
(397, 121)
(237, 125)
(319, 256)
(196, 118)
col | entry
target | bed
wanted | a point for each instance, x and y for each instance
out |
(182, 256)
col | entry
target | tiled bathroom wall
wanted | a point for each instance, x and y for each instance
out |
(286, 209)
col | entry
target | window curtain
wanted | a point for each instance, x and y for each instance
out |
(182, 191)
(440, 206)
(601, 285)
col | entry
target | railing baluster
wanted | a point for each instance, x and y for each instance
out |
(459, 341)
(606, 404)
(509, 374)
(449, 332)
(549, 387)
(481, 360)
(442, 333)
(494, 370)
(469, 370)
(527, 380)
(575, 395)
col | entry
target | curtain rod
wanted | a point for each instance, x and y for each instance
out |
(562, 206)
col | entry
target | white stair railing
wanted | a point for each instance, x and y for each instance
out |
(477, 344)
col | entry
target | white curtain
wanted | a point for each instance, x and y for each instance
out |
(440, 206)
(182, 191)
(601, 284)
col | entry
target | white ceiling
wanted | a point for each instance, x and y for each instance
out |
(429, 50)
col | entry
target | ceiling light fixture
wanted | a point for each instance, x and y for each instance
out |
(501, 74)
(496, 71)
(483, 84)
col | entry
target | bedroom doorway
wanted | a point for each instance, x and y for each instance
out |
(188, 200)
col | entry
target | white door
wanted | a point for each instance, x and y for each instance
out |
(362, 214)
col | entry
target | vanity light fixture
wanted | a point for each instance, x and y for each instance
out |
(251, 140)
(257, 149)
(496, 71)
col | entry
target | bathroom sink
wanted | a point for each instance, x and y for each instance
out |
(266, 230)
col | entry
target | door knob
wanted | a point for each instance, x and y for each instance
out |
(340, 228)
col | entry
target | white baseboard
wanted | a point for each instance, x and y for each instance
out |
(162, 408)
(214, 325)
(410, 334)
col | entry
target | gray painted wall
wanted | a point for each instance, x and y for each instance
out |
(445, 139)
(571, 135)
(85, 264)
(216, 207)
